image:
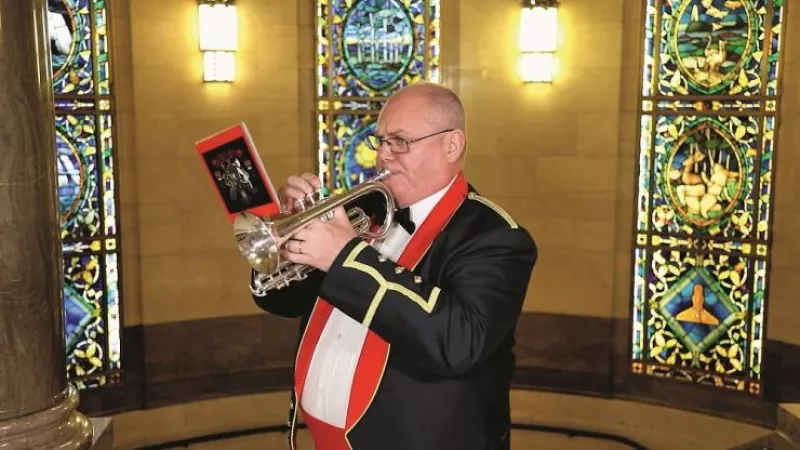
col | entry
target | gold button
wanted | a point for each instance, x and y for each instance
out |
(382, 258)
(398, 270)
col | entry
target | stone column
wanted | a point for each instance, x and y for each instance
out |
(37, 407)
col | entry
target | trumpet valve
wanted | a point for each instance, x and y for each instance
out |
(302, 204)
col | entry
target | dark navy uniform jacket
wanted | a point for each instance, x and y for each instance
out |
(446, 382)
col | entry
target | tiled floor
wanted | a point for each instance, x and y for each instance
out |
(654, 427)
(793, 408)
(521, 440)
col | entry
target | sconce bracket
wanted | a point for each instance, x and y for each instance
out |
(539, 3)
(217, 2)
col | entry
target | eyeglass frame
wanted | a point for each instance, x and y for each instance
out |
(406, 143)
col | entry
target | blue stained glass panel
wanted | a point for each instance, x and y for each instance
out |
(323, 50)
(434, 41)
(765, 190)
(108, 175)
(776, 35)
(366, 50)
(378, 46)
(757, 318)
(101, 47)
(639, 295)
(70, 25)
(78, 172)
(645, 159)
(113, 311)
(648, 58)
(87, 194)
(355, 161)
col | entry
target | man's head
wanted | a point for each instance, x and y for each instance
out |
(430, 118)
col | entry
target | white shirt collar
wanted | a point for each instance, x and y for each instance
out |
(420, 210)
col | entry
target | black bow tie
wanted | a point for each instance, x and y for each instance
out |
(403, 218)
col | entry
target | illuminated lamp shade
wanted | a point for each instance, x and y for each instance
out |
(218, 26)
(538, 40)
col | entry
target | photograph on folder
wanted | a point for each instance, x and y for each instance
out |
(237, 172)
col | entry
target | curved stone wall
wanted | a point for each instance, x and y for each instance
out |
(181, 362)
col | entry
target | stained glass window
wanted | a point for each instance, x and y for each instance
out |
(710, 90)
(366, 50)
(84, 112)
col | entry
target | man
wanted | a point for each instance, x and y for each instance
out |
(407, 343)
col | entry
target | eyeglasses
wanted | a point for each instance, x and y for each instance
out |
(396, 143)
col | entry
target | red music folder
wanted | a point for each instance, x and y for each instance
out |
(237, 173)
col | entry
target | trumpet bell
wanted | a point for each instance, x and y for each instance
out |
(257, 241)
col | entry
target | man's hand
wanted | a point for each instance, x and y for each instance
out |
(319, 242)
(297, 187)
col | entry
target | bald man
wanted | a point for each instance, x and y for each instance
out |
(407, 343)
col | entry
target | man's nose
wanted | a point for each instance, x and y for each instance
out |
(384, 154)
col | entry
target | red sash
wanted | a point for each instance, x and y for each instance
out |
(375, 352)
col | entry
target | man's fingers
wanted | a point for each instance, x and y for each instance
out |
(292, 193)
(305, 233)
(297, 258)
(311, 179)
(300, 184)
(293, 246)
(340, 214)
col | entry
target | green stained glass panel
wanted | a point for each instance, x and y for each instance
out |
(711, 47)
(710, 83)
(703, 174)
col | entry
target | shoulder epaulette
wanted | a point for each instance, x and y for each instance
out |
(494, 207)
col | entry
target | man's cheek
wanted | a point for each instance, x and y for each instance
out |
(401, 182)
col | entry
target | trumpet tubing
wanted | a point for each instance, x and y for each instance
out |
(260, 239)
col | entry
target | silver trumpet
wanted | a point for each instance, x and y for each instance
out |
(260, 238)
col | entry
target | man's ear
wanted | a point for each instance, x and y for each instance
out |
(455, 146)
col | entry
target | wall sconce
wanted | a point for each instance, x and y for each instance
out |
(218, 38)
(538, 38)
